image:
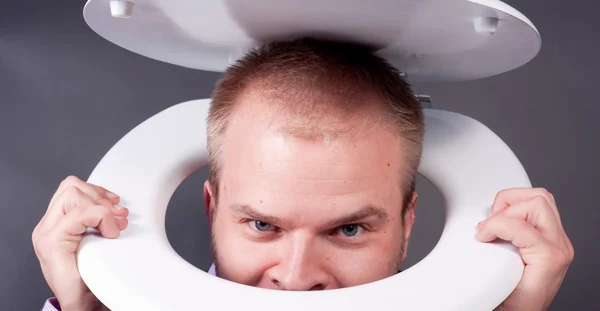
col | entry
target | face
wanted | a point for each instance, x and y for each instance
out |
(308, 214)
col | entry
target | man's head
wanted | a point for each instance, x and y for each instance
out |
(313, 151)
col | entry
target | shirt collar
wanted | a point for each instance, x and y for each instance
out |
(212, 270)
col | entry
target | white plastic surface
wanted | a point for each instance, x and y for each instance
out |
(467, 162)
(429, 40)
(121, 8)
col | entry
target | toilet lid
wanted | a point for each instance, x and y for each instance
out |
(462, 158)
(429, 40)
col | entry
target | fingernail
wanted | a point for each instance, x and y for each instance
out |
(119, 207)
(480, 224)
(111, 195)
(119, 217)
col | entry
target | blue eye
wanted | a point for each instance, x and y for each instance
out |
(260, 225)
(350, 230)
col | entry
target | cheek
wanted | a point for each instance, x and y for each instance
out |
(240, 259)
(378, 260)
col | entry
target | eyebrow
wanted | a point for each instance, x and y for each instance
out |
(252, 213)
(367, 211)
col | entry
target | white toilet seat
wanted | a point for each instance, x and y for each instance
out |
(467, 162)
(427, 39)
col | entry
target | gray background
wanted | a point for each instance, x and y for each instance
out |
(67, 95)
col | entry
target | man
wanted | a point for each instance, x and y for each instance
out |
(313, 150)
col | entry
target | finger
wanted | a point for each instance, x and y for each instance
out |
(73, 198)
(512, 196)
(94, 191)
(69, 198)
(504, 198)
(517, 231)
(77, 221)
(537, 212)
(534, 248)
(122, 223)
(67, 233)
(97, 193)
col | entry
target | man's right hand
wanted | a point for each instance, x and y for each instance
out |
(75, 206)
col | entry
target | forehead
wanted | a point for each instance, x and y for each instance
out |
(309, 155)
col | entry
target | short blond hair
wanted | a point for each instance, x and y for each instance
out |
(297, 74)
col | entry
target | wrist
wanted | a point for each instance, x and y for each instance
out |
(86, 302)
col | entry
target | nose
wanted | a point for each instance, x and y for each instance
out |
(300, 269)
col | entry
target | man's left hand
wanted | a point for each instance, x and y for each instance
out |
(530, 220)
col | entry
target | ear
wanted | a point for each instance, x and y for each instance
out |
(409, 218)
(209, 202)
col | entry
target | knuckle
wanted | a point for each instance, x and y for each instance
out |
(502, 193)
(566, 259)
(571, 250)
(544, 192)
(36, 248)
(563, 257)
(40, 247)
(71, 180)
(34, 236)
(558, 258)
(73, 192)
(572, 255)
(34, 242)
(540, 200)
